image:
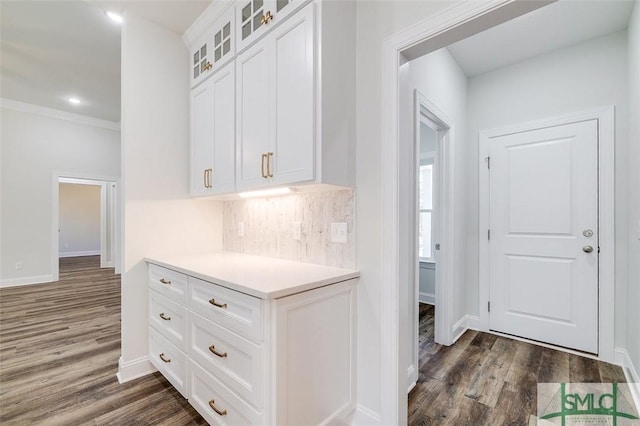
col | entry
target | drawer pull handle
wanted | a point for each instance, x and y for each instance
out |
(213, 351)
(164, 317)
(212, 404)
(162, 357)
(218, 305)
(163, 281)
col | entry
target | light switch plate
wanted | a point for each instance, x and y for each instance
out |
(297, 230)
(338, 232)
(240, 229)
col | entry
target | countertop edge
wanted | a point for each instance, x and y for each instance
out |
(252, 291)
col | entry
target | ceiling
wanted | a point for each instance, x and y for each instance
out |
(560, 24)
(53, 50)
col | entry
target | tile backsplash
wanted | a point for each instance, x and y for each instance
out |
(269, 227)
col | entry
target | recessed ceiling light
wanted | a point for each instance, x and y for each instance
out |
(115, 17)
(75, 101)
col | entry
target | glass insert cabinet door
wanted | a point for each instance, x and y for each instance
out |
(256, 16)
(215, 48)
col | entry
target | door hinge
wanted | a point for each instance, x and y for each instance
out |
(488, 306)
(488, 162)
(488, 234)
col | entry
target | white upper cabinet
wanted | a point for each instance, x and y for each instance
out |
(275, 143)
(294, 93)
(215, 48)
(256, 17)
(213, 134)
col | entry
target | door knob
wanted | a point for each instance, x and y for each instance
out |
(587, 249)
(587, 233)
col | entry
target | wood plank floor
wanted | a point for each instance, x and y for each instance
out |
(59, 350)
(484, 379)
(60, 343)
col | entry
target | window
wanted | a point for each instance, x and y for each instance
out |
(425, 236)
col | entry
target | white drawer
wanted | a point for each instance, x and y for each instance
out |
(169, 360)
(207, 392)
(236, 311)
(169, 283)
(236, 361)
(168, 318)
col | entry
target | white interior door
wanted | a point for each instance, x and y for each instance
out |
(544, 235)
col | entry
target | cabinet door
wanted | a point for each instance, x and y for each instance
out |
(223, 39)
(222, 179)
(253, 103)
(256, 17)
(201, 60)
(201, 137)
(292, 109)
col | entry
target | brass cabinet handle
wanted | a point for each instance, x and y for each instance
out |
(204, 176)
(166, 318)
(218, 305)
(213, 351)
(163, 281)
(262, 166)
(209, 173)
(208, 66)
(212, 404)
(269, 157)
(163, 358)
(264, 19)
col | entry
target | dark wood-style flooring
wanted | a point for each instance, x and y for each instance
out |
(484, 379)
(60, 343)
(59, 350)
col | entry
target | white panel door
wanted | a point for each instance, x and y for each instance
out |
(201, 137)
(544, 220)
(223, 174)
(291, 158)
(253, 91)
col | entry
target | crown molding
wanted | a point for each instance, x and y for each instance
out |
(205, 20)
(55, 113)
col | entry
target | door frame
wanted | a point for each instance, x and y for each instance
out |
(106, 192)
(605, 117)
(425, 111)
(454, 23)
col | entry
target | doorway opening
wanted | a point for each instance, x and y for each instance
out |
(85, 220)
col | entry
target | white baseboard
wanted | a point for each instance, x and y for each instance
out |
(79, 253)
(467, 322)
(15, 282)
(428, 298)
(364, 416)
(132, 370)
(630, 373)
(473, 322)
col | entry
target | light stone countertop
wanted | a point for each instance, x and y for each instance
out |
(262, 277)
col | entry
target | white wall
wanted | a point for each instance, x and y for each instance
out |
(633, 311)
(34, 147)
(589, 75)
(79, 220)
(159, 216)
(375, 22)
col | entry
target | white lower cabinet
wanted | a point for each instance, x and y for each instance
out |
(250, 361)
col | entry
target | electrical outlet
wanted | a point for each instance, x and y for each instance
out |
(339, 232)
(18, 266)
(240, 229)
(297, 230)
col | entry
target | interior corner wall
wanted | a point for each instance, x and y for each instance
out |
(589, 75)
(376, 21)
(34, 147)
(633, 299)
(439, 78)
(79, 220)
(159, 217)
